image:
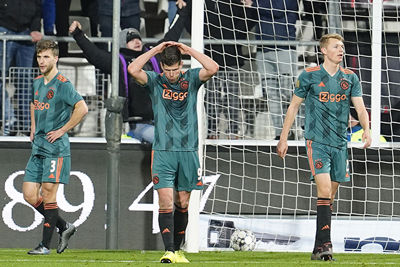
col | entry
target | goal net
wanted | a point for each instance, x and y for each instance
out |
(247, 185)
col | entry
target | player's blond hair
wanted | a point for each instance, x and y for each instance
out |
(47, 44)
(323, 42)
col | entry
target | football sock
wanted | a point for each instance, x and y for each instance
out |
(324, 214)
(180, 223)
(166, 223)
(61, 224)
(50, 220)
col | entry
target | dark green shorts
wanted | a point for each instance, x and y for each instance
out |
(41, 169)
(176, 169)
(328, 159)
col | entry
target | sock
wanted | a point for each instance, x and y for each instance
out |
(50, 220)
(61, 224)
(324, 214)
(180, 223)
(166, 222)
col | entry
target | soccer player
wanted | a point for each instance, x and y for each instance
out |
(327, 90)
(175, 162)
(56, 108)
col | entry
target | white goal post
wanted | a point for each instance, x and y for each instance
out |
(254, 188)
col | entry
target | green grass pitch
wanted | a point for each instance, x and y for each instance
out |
(73, 257)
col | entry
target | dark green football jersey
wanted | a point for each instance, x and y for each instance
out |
(53, 103)
(175, 110)
(327, 101)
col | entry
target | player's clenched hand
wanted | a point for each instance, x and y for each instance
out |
(366, 138)
(282, 148)
(54, 135)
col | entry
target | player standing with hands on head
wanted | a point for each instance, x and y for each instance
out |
(327, 90)
(175, 163)
(56, 108)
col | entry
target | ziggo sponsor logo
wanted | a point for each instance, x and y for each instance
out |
(40, 105)
(327, 97)
(169, 94)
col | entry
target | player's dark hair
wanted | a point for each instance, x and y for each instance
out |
(47, 44)
(171, 55)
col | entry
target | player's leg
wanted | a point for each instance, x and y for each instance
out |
(32, 184)
(320, 165)
(31, 192)
(163, 166)
(59, 169)
(324, 214)
(334, 188)
(189, 178)
(49, 193)
(180, 217)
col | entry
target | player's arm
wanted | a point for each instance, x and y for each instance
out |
(289, 119)
(362, 114)
(135, 69)
(210, 67)
(33, 126)
(80, 110)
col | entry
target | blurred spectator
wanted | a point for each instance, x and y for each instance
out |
(90, 9)
(130, 16)
(277, 64)
(173, 6)
(49, 16)
(62, 24)
(137, 111)
(15, 20)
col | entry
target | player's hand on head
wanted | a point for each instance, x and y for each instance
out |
(162, 46)
(183, 48)
(282, 148)
(75, 24)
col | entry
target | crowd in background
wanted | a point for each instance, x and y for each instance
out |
(230, 19)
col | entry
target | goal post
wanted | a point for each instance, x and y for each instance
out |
(247, 185)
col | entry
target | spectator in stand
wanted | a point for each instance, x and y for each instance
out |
(15, 20)
(49, 16)
(130, 16)
(173, 6)
(90, 9)
(62, 23)
(277, 64)
(138, 110)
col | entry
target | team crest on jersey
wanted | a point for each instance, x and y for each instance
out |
(155, 180)
(344, 84)
(184, 85)
(50, 94)
(318, 164)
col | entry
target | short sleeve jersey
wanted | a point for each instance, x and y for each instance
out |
(175, 110)
(53, 104)
(327, 102)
